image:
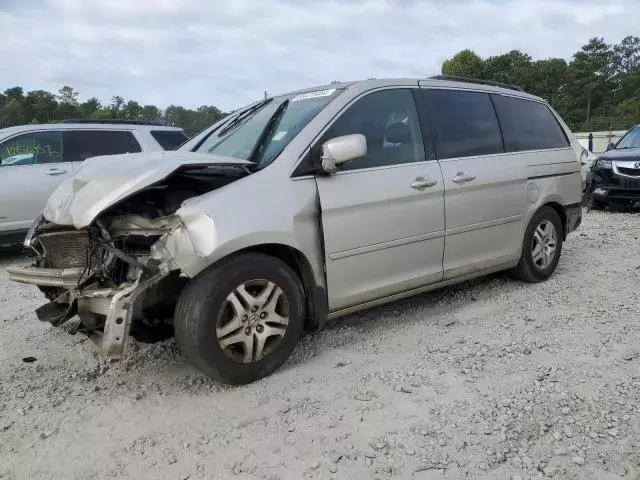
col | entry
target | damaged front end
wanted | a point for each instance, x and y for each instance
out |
(106, 276)
(122, 274)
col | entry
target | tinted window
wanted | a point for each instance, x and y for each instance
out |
(389, 121)
(465, 123)
(82, 144)
(32, 148)
(169, 139)
(528, 125)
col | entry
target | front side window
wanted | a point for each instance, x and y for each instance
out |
(32, 149)
(528, 125)
(465, 123)
(260, 135)
(83, 144)
(630, 140)
(389, 121)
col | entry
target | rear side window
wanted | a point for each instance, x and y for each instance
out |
(83, 144)
(528, 125)
(169, 139)
(465, 123)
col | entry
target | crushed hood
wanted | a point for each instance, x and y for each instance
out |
(104, 181)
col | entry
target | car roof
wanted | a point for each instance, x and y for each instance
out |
(84, 126)
(431, 82)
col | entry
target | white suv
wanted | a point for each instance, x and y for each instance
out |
(35, 159)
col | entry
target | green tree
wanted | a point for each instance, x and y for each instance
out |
(91, 108)
(131, 111)
(513, 67)
(40, 106)
(464, 64)
(599, 88)
(68, 95)
(151, 113)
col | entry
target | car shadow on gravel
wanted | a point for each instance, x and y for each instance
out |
(9, 255)
(446, 298)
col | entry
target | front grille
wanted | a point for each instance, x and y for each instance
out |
(629, 184)
(68, 249)
(612, 180)
(632, 172)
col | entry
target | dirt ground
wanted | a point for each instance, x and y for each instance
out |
(490, 379)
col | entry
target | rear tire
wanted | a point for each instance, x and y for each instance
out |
(240, 320)
(541, 248)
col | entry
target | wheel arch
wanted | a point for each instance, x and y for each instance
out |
(561, 213)
(316, 297)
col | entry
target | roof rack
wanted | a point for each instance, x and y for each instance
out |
(476, 80)
(112, 121)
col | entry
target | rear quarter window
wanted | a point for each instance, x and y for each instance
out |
(528, 125)
(169, 139)
(465, 123)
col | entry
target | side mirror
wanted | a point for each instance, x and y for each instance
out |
(339, 150)
(611, 146)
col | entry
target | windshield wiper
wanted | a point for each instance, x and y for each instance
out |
(266, 131)
(243, 115)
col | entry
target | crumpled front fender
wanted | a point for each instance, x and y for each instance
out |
(187, 245)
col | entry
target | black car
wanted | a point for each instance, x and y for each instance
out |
(615, 175)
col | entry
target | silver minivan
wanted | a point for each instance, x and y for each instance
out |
(304, 207)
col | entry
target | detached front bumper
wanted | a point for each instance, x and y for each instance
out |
(67, 278)
(115, 305)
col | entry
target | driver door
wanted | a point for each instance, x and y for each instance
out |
(31, 167)
(383, 214)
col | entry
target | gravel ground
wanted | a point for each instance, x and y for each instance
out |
(489, 379)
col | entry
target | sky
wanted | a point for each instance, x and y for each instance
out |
(211, 52)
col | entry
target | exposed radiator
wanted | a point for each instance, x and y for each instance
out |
(67, 249)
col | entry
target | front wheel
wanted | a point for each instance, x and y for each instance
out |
(240, 320)
(541, 248)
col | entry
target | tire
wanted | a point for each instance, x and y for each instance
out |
(213, 333)
(534, 271)
(598, 204)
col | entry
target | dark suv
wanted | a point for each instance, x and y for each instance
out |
(615, 175)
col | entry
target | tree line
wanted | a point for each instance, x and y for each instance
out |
(40, 106)
(597, 89)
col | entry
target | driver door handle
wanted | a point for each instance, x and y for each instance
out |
(462, 177)
(421, 183)
(54, 171)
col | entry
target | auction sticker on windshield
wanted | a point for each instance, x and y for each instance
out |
(316, 94)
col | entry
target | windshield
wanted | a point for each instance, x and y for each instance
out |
(630, 140)
(257, 137)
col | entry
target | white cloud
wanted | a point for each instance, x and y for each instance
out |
(194, 52)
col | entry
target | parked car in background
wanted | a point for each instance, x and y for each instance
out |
(35, 159)
(615, 175)
(303, 207)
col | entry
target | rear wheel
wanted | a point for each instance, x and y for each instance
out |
(541, 248)
(240, 320)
